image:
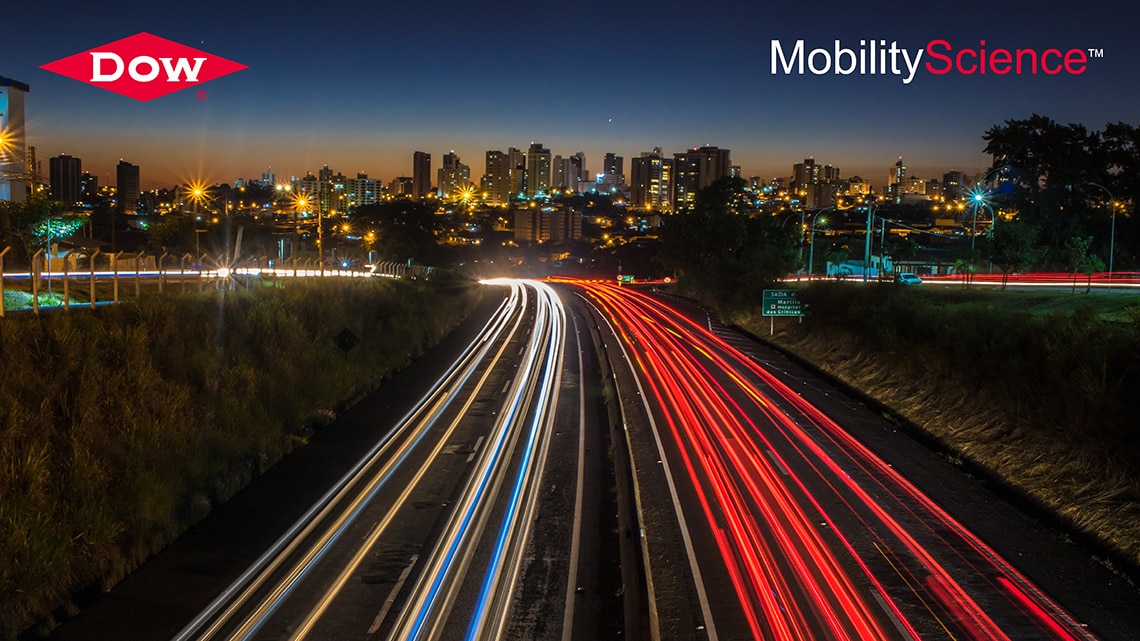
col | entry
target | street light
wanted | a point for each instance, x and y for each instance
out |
(811, 240)
(1112, 233)
(979, 199)
(800, 270)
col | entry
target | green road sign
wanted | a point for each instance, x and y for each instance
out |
(781, 302)
(625, 279)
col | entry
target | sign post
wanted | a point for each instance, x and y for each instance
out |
(780, 302)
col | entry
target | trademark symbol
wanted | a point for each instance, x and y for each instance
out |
(1096, 53)
(201, 94)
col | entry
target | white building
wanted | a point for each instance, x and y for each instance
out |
(15, 171)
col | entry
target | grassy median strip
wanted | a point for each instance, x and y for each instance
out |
(122, 426)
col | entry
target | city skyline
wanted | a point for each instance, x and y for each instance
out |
(361, 91)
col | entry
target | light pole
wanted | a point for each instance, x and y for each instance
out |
(867, 245)
(811, 240)
(800, 270)
(320, 238)
(979, 200)
(1112, 233)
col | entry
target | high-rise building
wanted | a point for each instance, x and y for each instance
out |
(88, 186)
(268, 178)
(516, 160)
(557, 173)
(954, 185)
(402, 186)
(613, 169)
(542, 224)
(896, 175)
(537, 170)
(421, 174)
(15, 170)
(804, 174)
(65, 172)
(651, 180)
(362, 190)
(815, 185)
(856, 186)
(453, 176)
(496, 182)
(578, 160)
(696, 169)
(127, 187)
(564, 174)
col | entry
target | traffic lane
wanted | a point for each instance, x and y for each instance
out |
(1001, 517)
(776, 561)
(946, 589)
(486, 594)
(692, 593)
(952, 591)
(548, 604)
(999, 580)
(155, 601)
(873, 537)
(391, 545)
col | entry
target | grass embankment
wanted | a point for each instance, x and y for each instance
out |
(121, 427)
(1036, 387)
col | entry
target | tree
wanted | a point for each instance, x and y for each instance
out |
(402, 229)
(836, 255)
(173, 234)
(1052, 174)
(727, 247)
(1077, 256)
(1091, 266)
(23, 224)
(1013, 247)
(901, 250)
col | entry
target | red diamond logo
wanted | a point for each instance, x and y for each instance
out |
(143, 67)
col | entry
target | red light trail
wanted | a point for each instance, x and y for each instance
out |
(820, 537)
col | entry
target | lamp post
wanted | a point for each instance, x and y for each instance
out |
(867, 245)
(320, 238)
(811, 240)
(1112, 233)
(979, 200)
(800, 270)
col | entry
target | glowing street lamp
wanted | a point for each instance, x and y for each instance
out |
(1112, 233)
(811, 240)
(979, 200)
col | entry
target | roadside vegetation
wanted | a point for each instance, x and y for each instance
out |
(120, 427)
(1036, 387)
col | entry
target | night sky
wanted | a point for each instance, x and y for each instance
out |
(360, 86)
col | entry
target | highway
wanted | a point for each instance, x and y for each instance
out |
(790, 527)
(444, 503)
(590, 461)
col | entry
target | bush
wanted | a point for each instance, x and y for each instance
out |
(121, 427)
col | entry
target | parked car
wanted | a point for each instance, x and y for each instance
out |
(907, 278)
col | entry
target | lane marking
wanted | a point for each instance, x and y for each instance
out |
(392, 596)
(891, 615)
(694, 567)
(576, 538)
(778, 463)
(475, 450)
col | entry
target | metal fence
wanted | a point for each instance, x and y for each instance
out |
(88, 280)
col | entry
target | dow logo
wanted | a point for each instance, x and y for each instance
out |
(143, 67)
